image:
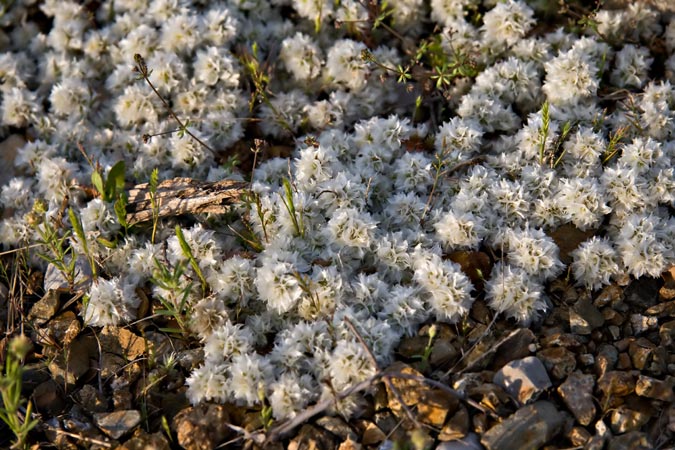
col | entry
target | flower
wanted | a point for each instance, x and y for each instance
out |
(594, 262)
(506, 23)
(108, 304)
(301, 56)
(514, 292)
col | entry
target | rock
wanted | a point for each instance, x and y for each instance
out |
(468, 442)
(338, 427)
(616, 383)
(614, 331)
(586, 359)
(667, 334)
(666, 294)
(390, 425)
(443, 354)
(117, 423)
(64, 328)
(655, 389)
(457, 426)
(585, 317)
(432, 405)
(55, 280)
(606, 359)
(514, 346)
(624, 419)
(45, 308)
(91, 399)
(70, 365)
(624, 362)
(578, 436)
(119, 346)
(671, 418)
(642, 293)
(311, 437)
(556, 338)
(493, 396)
(530, 427)
(640, 352)
(145, 441)
(642, 324)
(524, 379)
(48, 398)
(609, 296)
(634, 440)
(559, 361)
(202, 427)
(372, 435)
(350, 444)
(602, 434)
(577, 393)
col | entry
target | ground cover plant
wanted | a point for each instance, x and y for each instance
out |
(261, 206)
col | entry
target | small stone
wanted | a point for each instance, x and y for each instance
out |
(640, 352)
(642, 323)
(577, 393)
(612, 316)
(432, 405)
(338, 427)
(443, 353)
(55, 280)
(514, 346)
(624, 419)
(614, 331)
(586, 359)
(48, 398)
(457, 426)
(585, 317)
(201, 427)
(609, 296)
(556, 338)
(635, 440)
(122, 398)
(145, 441)
(468, 442)
(372, 435)
(559, 361)
(671, 418)
(70, 365)
(624, 362)
(578, 436)
(350, 444)
(531, 426)
(311, 437)
(45, 308)
(389, 424)
(606, 359)
(616, 383)
(655, 389)
(91, 399)
(117, 423)
(8, 150)
(667, 333)
(524, 379)
(665, 309)
(64, 328)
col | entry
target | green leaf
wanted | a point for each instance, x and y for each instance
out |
(97, 181)
(115, 182)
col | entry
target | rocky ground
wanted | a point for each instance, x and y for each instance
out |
(598, 373)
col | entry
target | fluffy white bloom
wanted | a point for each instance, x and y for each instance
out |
(491, 114)
(349, 364)
(460, 230)
(640, 245)
(623, 187)
(458, 138)
(582, 153)
(207, 382)
(657, 104)
(506, 23)
(99, 219)
(640, 155)
(314, 9)
(227, 340)
(216, 65)
(71, 97)
(135, 106)
(582, 201)
(249, 374)
(284, 114)
(207, 315)
(511, 81)
(203, 246)
(277, 284)
(180, 33)
(168, 71)
(301, 56)
(233, 280)
(218, 25)
(631, 67)
(412, 172)
(570, 77)
(54, 175)
(448, 288)
(404, 308)
(17, 194)
(535, 252)
(344, 65)
(350, 227)
(594, 263)
(186, 153)
(448, 12)
(290, 394)
(108, 304)
(19, 107)
(514, 292)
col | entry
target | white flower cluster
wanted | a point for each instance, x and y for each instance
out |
(354, 229)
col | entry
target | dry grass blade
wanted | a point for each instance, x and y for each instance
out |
(183, 196)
